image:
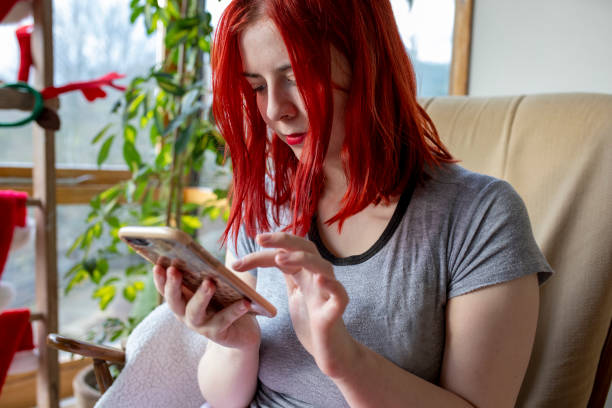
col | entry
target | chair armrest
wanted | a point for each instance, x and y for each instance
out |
(83, 348)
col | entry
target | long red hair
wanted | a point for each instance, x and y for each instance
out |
(389, 137)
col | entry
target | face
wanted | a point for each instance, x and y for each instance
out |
(267, 68)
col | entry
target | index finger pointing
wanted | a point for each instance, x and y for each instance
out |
(286, 241)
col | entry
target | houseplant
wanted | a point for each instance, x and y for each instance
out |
(167, 137)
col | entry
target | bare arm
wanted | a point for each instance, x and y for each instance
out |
(228, 376)
(227, 373)
(489, 336)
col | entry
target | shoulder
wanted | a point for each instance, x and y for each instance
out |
(452, 178)
(458, 191)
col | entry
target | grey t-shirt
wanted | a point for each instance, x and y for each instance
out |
(457, 232)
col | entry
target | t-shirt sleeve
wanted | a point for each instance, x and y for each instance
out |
(244, 246)
(493, 241)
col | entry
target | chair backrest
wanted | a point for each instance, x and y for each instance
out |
(556, 150)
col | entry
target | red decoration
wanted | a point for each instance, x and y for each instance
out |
(24, 34)
(16, 336)
(5, 7)
(91, 89)
(13, 210)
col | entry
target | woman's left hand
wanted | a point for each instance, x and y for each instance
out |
(316, 299)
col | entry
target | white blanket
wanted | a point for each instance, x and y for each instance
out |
(162, 356)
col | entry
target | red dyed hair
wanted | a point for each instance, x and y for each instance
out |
(389, 137)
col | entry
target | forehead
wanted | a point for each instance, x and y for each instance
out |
(262, 48)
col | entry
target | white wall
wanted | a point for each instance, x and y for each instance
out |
(541, 46)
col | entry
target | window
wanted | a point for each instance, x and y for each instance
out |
(427, 31)
(91, 39)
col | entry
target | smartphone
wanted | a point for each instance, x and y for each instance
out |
(171, 247)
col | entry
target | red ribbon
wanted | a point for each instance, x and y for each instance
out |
(24, 34)
(91, 89)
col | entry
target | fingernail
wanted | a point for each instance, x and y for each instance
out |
(263, 238)
(237, 264)
(244, 306)
(282, 256)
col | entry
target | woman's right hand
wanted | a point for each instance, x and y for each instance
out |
(231, 327)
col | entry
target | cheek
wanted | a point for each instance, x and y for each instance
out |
(262, 106)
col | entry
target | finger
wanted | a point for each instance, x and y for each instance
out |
(291, 283)
(261, 259)
(286, 241)
(298, 260)
(173, 292)
(222, 320)
(195, 311)
(333, 292)
(159, 278)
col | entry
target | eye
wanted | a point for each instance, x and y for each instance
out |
(259, 89)
(291, 79)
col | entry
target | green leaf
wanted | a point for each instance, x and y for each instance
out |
(203, 44)
(214, 213)
(191, 221)
(79, 277)
(104, 150)
(114, 337)
(77, 242)
(148, 13)
(73, 269)
(110, 193)
(113, 221)
(129, 293)
(129, 134)
(110, 281)
(102, 266)
(136, 103)
(101, 133)
(91, 216)
(140, 269)
(129, 192)
(164, 157)
(172, 10)
(138, 285)
(183, 139)
(220, 193)
(131, 156)
(137, 11)
(140, 190)
(90, 264)
(96, 276)
(116, 106)
(95, 202)
(105, 294)
(97, 229)
(152, 220)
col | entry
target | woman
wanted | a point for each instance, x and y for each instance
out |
(400, 278)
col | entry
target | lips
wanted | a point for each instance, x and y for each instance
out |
(296, 138)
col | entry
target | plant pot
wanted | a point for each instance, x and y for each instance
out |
(85, 388)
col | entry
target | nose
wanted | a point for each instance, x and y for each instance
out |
(280, 105)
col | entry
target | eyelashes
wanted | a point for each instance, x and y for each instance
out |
(261, 88)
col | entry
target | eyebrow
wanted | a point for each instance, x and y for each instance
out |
(281, 69)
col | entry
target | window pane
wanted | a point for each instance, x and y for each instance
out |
(427, 32)
(15, 142)
(78, 312)
(91, 39)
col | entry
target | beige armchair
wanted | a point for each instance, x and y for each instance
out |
(556, 150)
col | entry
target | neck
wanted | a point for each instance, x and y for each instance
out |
(335, 180)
